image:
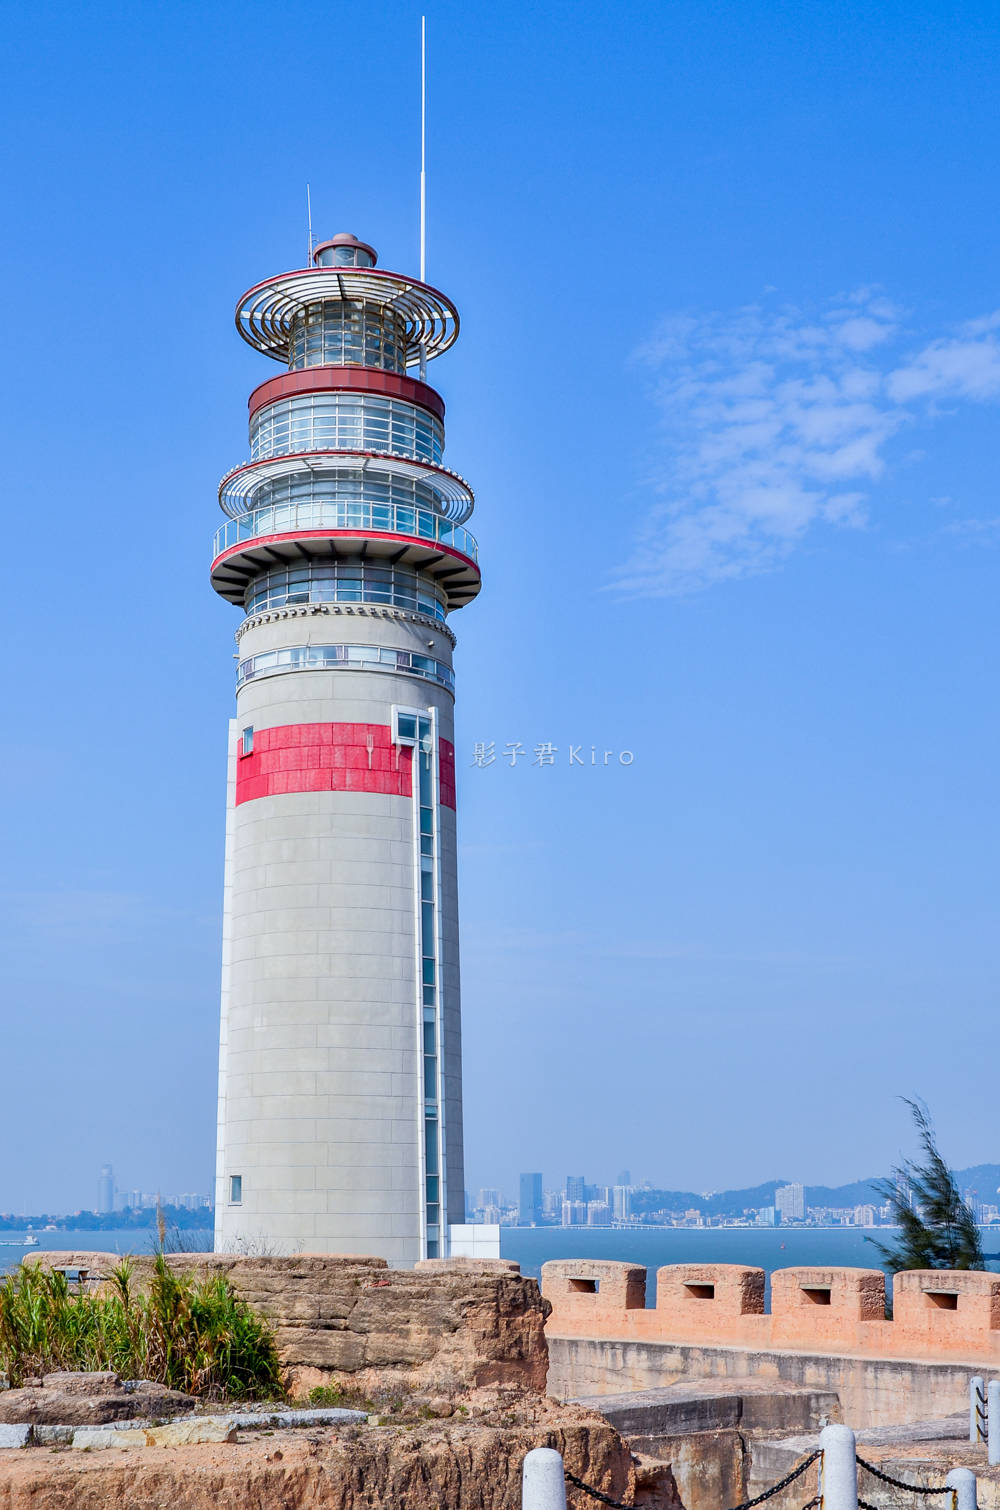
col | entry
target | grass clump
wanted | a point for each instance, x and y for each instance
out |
(190, 1334)
(336, 1397)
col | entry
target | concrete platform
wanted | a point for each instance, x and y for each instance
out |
(707, 1433)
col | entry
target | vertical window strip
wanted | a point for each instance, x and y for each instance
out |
(424, 753)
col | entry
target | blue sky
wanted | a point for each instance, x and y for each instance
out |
(727, 389)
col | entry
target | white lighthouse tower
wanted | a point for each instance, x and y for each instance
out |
(340, 1092)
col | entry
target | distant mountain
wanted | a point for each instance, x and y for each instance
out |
(720, 1203)
(859, 1193)
(984, 1179)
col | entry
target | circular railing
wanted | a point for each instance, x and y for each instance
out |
(345, 472)
(384, 518)
(266, 314)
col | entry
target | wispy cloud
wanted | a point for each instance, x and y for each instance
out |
(776, 421)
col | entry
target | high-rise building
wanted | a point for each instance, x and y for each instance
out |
(576, 1188)
(488, 1196)
(574, 1213)
(529, 1206)
(106, 1189)
(345, 549)
(790, 1202)
(621, 1202)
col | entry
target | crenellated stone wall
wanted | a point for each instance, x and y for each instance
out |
(826, 1329)
(936, 1313)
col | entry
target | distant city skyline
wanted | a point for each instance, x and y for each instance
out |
(575, 1202)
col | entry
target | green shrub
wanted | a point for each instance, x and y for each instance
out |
(190, 1334)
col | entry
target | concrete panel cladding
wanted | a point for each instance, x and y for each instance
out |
(346, 549)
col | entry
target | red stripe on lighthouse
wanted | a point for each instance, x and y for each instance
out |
(333, 758)
(446, 772)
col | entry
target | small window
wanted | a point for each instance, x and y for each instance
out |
(585, 1286)
(818, 1294)
(406, 728)
(235, 1189)
(246, 742)
(942, 1299)
(700, 1292)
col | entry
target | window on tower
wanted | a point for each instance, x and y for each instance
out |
(235, 1189)
(348, 332)
(345, 582)
(345, 421)
(246, 741)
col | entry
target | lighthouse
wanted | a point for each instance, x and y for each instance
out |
(345, 548)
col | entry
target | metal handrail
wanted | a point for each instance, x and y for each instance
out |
(379, 518)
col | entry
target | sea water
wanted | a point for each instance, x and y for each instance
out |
(137, 1240)
(764, 1248)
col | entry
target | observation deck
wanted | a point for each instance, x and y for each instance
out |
(345, 489)
(416, 538)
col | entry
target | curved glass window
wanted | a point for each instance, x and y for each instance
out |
(345, 658)
(347, 333)
(348, 486)
(345, 256)
(345, 582)
(345, 422)
(334, 514)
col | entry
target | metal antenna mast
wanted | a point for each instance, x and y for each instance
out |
(423, 175)
(309, 218)
(423, 148)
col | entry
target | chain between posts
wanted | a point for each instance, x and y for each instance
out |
(814, 1504)
(866, 1505)
(595, 1494)
(899, 1484)
(605, 1499)
(789, 1478)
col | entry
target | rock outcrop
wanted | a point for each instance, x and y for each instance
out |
(470, 1462)
(446, 1326)
(90, 1399)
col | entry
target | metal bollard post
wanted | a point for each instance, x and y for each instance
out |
(977, 1410)
(543, 1485)
(993, 1421)
(839, 1470)
(963, 1481)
